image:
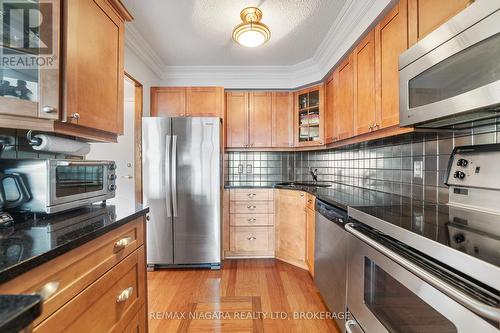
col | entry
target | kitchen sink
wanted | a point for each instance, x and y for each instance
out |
(302, 184)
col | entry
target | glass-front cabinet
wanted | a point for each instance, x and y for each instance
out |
(29, 58)
(309, 116)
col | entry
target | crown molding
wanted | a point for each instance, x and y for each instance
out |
(355, 17)
(135, 42)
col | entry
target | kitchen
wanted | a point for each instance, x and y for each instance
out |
(250, 166)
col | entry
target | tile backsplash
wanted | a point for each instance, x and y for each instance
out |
(412, 165)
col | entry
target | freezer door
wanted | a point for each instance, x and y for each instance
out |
(156, 166)
(196, 190)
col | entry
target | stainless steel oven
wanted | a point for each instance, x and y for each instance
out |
(58, 185)
(452, 76)
(394, 289)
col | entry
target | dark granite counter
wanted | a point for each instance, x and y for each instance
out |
(35, 239)
(18, 311)
(341, 195)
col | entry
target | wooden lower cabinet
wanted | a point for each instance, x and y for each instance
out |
(89, 280)
(250, 223)
(310, 235)
(290, 222)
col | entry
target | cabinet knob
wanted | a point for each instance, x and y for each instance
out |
(251, 207)
(124, 295)
(252, 220)
(75, 116)
(301, 194)
(47, 290)
(251, 238)
(251, 195)
(48, 109)
(122, 243)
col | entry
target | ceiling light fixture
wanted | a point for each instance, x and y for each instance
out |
(251, 32)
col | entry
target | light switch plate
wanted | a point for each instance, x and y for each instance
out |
(418, 169)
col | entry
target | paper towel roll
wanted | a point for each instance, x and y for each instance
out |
(58, 145)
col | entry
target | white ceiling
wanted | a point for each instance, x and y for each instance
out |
(198, 32)
(188, 42)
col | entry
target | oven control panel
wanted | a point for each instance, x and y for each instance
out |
(475, 166)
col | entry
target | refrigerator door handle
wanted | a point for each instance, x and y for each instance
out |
(167, 176)
(174, 174)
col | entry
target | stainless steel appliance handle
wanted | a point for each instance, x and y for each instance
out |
(174, 174)
(68, 163)
(351, 323)
(167, 175)
(470, 303)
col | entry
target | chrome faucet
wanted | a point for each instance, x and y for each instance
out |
(314, 174)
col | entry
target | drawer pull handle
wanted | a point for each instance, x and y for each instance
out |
(124, 295)
(310, 201)
(251, 238)
(251, 195)
(122, 243)
(47, 290)
(252, 220)
(251, 207)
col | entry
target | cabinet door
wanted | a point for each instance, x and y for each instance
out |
(291, 227)
(309, 117)
(310, 236)
(331, 124)
(93, 59)
(260, 128)
(237, 119)
(391, 39)
(364, 85)
(168, 102)
(282, 129)
(205, 101)
(345, 99)
(426, 15)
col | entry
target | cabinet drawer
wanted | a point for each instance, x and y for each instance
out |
(244, 194)
(252, 207)
(250, 220)
(73, 271)
(252, 239)
(310, 201)
(107, 305)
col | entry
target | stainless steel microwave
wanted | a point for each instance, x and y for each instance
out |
(58, 185)
(452, 76)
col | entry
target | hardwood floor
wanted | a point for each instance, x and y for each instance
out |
(253, 295)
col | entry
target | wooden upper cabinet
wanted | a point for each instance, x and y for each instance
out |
(237, 119)
(309, 116)
(426, 15)
(260, 119)
(282, 122)
(345, 98)
(205, 102)
(187, 102)
(331, 112)
(391, 39)
(168, 102)
(93, 65)
(365, 119)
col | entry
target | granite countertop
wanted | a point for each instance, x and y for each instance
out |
(35, 239)
(18, 311)
(340, 195)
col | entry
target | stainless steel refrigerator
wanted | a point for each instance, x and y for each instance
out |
(182, 184)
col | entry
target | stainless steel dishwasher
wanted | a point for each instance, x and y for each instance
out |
(330, 258)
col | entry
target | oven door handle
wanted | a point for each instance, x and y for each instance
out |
(470, 303)
(68, 163)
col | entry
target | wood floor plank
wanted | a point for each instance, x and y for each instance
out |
(269, 291)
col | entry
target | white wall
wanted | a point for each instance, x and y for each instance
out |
(139, 71)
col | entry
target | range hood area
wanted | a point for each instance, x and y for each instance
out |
(451, 78)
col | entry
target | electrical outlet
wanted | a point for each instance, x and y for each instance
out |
(240, 168)
(418, 169)
(249, 168)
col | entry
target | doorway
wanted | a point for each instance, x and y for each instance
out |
(127, 151)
